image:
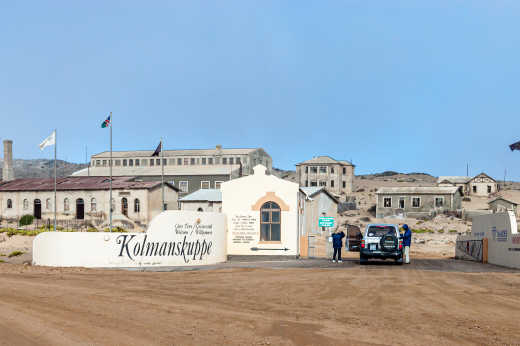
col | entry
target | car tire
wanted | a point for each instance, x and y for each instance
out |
(399, 261)
(363, 260)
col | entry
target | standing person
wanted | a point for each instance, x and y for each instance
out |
(337, 244)
(407, 241)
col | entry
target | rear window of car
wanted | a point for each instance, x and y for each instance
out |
(379, 231)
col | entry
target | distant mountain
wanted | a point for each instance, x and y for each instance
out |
(42, 168)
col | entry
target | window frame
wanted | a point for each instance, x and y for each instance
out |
(323, 169)
(403, 199)
(270, 210)
(181, 188)
(435, 201)
(385, 199)
(414, 198)
(218, 184)
(137, 206)
(208, 184)
(93, 205)
(9, 203)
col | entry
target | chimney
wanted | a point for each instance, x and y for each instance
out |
(8, 171)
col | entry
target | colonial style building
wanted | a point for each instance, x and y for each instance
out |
(417, 201)
(323, 171)
(189, 170)
(479, 185)
(134, 203)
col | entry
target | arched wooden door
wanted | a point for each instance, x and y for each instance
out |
(80, 209)
(37, 209)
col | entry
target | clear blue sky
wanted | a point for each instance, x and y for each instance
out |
(393, 85)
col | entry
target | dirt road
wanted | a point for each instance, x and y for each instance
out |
(429, 302)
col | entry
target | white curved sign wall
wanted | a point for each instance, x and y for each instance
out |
(174, 238)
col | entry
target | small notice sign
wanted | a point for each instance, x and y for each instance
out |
(326, 222)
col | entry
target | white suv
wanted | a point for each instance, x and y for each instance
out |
(381, 241)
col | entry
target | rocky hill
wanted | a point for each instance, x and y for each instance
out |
(42, 168)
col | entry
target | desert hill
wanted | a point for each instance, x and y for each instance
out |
(42, 168)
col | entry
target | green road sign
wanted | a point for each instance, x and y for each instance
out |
(326, 222)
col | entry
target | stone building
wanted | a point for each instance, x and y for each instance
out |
(323, 171)
(203, 200)
(86, 198)
(480, 185)
(502, 205)
(417, 201)
(189, 170)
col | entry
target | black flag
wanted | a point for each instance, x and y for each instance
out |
(157, 150)
(515, 146)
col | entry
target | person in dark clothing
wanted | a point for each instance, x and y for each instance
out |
(407, 241)
(337, 243)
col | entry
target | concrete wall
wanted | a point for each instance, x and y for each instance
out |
(205, 205)
(241, 202)
(173, 239)
(427, 205)
(501, 231)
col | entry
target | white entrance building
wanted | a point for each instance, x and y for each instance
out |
(262, 215)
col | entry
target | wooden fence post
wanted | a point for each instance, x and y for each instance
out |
(484, 250)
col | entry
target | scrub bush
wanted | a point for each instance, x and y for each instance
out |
(26, 220)
(15, 253)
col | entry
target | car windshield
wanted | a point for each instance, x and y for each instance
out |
(379, 231)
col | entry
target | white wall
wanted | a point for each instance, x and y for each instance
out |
(501, 230)
(206, 206)
(243, 223)
(174, 238)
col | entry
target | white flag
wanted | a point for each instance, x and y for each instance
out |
(51, 140)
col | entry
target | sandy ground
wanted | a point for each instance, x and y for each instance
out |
(430, 302)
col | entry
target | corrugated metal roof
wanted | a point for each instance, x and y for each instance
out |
(156, 170)
(503, 199)
(454, 179)
(434, 190)
(203, 195)
(79, 183)
(309, 191)
(313, 190)
(324, 160)
(173, 153)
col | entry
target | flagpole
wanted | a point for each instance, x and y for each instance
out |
(55, 146)
(162, 174)
(110, 164)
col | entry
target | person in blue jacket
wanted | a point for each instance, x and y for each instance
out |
(337, 243)
(407, 241)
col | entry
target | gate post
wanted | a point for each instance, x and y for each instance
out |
(484, 250)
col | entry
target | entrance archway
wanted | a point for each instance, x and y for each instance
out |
(124, 206)
(37, 209)
(80, 209)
